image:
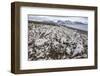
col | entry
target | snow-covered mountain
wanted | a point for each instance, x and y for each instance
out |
(80, 23)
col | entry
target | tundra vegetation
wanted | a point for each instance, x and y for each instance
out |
(51, 42)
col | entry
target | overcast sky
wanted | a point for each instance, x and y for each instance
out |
(56, 18)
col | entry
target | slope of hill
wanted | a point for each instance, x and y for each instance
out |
(48, 42)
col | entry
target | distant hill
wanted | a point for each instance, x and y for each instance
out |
(68, 23)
